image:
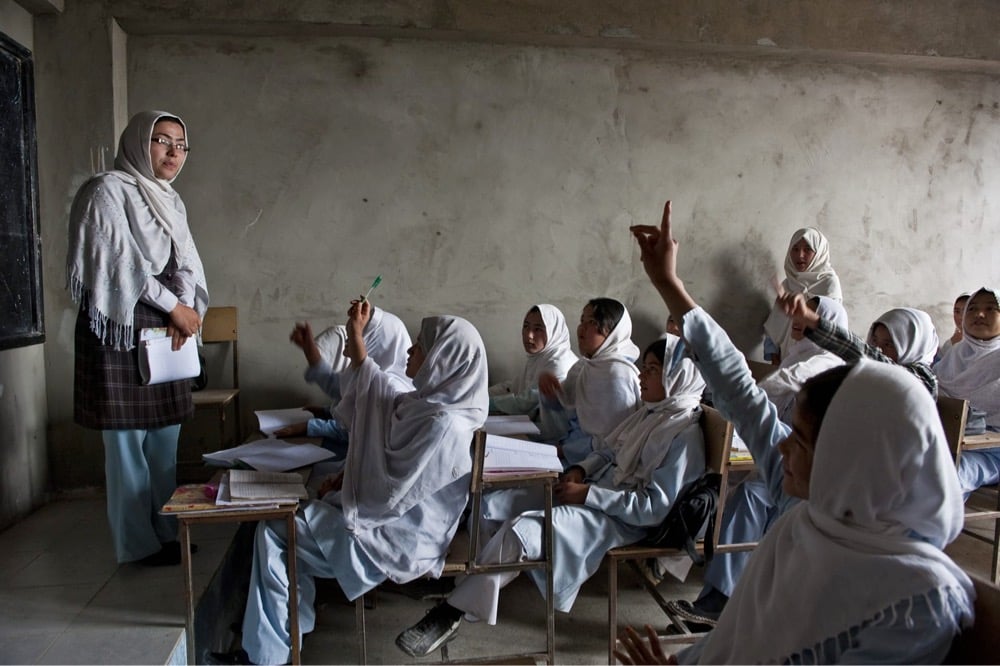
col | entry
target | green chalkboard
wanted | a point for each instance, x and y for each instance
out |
(21, 315)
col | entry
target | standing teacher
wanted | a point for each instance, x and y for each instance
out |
(132, 264)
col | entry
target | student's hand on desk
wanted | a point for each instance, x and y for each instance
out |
(548, 385)
(302, 337)
(294, 430)
(639, 652)
(569, 492)
(330, 484)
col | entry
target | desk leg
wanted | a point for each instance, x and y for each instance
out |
(293, 590)
(185, 534)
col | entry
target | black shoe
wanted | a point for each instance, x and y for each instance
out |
(229, 658)
(168, 555)
(691, 614)
(439, 626)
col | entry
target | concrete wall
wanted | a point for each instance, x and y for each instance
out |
(23, 465)
(481, 166)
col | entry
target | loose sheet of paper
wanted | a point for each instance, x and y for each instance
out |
(274, 419)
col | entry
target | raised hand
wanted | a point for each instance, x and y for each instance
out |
(658, 249)
(302, 337)
(658, 252)
(357, 317)
(797, 310)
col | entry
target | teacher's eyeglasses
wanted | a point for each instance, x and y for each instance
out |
(179, 146)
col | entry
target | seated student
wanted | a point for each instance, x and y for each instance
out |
(610, 499)
(804, 359)
(807, 271)
(750, 510)
(971, 371)
(602, 388)
(902, 336)
(862, 552)
(386, 340)
(957, 314)
(545, 337)
(403, 489)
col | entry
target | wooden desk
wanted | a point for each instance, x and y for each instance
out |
(225, 514)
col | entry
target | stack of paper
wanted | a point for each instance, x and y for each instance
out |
(506, 455)
(269, 455)
(245, 486)
(511, 424)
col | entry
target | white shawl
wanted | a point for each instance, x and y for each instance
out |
(881, 471)
(114, 251)
(971, 371)
(642, 441)
(405, 447)
(912, 333)
(604, 389)
(818, 279)
(804, 359)
(556, 356)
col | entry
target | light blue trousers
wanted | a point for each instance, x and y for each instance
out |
(747, 516)
(978, 468)
(140, 471)
(266, 635)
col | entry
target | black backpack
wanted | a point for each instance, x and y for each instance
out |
(692, 517)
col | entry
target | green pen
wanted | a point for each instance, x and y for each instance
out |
(375, 283)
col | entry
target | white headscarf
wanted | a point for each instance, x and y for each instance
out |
(912, 332)
(609, 377)
(804, 359)
(331, 343)
(556, 356)
(881, 472)
(818, 279)
(642, 441)
(111, 254)
(970, 370)
(386, 341)
(406, 447)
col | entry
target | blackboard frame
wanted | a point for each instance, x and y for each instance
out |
(22, 320)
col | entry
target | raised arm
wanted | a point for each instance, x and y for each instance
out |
(658, 250)
(357, 317)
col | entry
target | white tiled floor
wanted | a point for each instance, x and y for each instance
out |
(63, 599)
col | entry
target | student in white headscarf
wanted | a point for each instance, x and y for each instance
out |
(545, 338)
(901, 336)
(808, 271)
(602, 388)
(132, 264)
(804, 358)
(386, 340)
(878, 500)
(610, 499)
(957, 315)
(395, 508)
(750, 510)
(971, 371)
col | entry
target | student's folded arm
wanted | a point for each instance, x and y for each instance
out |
(516, 403)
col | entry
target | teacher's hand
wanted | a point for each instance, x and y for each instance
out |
(184, 322)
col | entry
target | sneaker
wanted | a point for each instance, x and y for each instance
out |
(692, 614)
(439, 626)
